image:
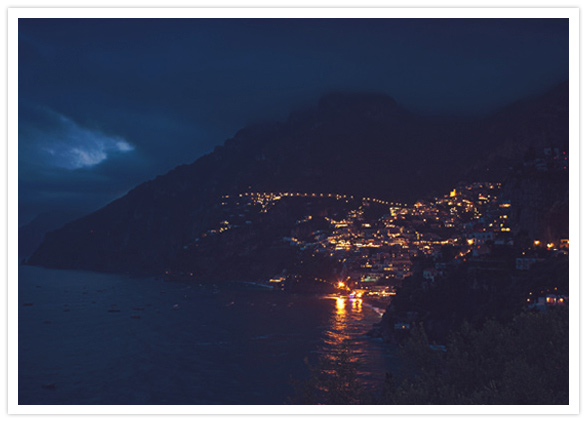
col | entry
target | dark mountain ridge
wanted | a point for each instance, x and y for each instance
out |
(363, 144)
(522, 128)
(31, 235)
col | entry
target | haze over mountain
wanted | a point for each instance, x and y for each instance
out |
(350, 143)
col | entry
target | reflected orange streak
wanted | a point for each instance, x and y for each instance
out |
(340, 306)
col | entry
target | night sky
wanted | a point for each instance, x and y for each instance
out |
(105, 104)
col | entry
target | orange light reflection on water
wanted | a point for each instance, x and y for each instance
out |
(357, 304)
(346, 311)
(343, 349)
(340, 306)
(340, 340)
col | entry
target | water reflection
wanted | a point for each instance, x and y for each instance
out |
(346, 325)
(357, 304)
(340, 306)
(345, 347)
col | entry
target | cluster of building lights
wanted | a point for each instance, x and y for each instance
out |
(467, 218)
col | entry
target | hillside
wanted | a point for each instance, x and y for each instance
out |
(362, 144)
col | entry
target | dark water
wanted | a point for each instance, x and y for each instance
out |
(87, 338)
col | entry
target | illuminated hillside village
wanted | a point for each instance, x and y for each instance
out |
(375, 255)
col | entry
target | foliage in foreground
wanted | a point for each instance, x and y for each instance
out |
(523, 362)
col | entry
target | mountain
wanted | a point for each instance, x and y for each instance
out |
(521, 130)
(31, 235)
(350, 143)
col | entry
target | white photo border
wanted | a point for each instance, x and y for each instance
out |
(574, 254)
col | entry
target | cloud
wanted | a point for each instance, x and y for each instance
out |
(66, 144)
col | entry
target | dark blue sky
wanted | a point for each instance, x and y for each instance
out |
(105, 104)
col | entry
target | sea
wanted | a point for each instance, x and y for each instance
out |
(88, 338)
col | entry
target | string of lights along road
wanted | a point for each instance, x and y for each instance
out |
(279, 195)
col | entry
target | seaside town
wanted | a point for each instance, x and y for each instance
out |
(378, 245)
